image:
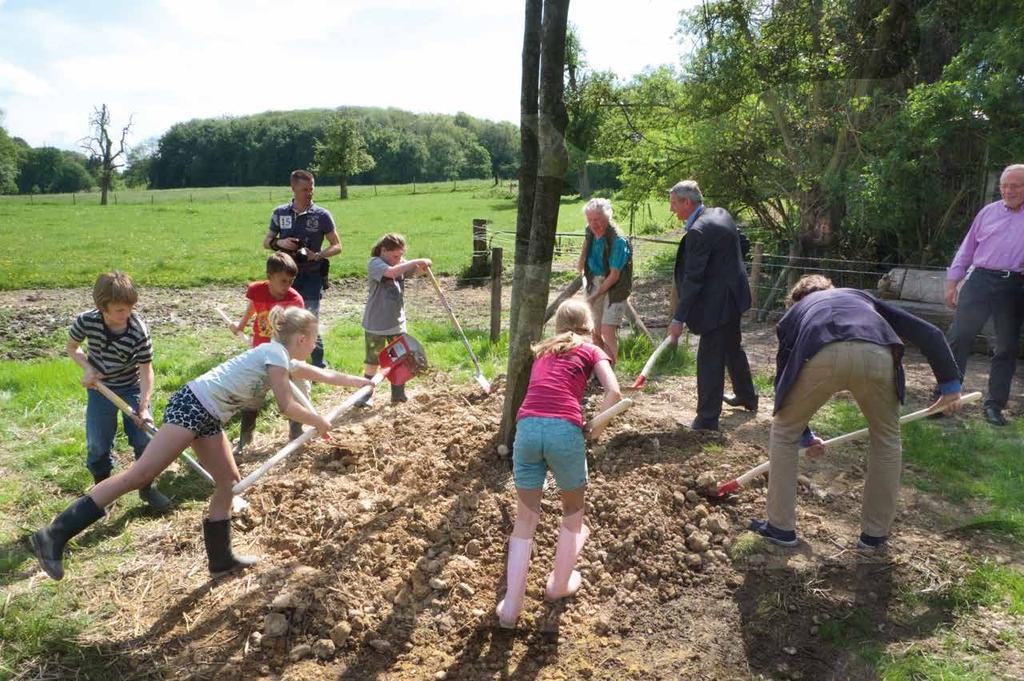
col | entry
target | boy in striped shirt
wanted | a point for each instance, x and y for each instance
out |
(120, 354)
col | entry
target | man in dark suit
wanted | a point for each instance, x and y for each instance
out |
(712, 289)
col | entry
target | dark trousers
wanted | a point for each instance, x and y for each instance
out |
(721, 350)
(988, 293)
(310, 287)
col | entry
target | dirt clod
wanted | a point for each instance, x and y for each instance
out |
(275, 624)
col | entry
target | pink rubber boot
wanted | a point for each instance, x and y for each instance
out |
(520, 545)
(564, 580)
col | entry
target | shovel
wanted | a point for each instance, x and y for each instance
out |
(638, 384)
(296, 391)
(484, 383)
(760, 469)
(227, 320)
(400, 360)
(237, 504)
(602, 419)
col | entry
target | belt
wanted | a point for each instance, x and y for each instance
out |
(1002, 274)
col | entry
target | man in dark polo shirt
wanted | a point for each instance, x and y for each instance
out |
(299, 228)
(834, 339)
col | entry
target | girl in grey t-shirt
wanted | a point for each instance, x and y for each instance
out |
(384, 316)
(194, 417)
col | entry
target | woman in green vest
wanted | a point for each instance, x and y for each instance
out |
(607, 263)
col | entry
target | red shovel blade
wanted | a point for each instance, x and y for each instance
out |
(727, 488)
(402, 358)
(639, 382)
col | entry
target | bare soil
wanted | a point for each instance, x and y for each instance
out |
(383, 553)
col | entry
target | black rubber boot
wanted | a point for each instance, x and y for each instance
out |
(398, 394)
(48, 543)
(217, 536)
(248, 426)
(154, 498)
(294, 430)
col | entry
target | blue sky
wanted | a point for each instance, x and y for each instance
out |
(166, 61)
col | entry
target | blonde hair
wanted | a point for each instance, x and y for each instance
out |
(388, 242)
(805, 286)
(287, 322)
(114, 288)
(574, 326)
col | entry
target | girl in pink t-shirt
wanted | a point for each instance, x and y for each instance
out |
(549, 436)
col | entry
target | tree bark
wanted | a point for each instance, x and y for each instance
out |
(584, 179)
(528, 144)
(343, 188)
(543, 111)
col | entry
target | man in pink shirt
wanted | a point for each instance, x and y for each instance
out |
(994, 247)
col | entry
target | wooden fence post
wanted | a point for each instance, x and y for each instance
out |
(755, 277)
(496, 258)
(479, 264)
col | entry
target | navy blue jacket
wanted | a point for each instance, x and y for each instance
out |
(710, 277)
(845, 314)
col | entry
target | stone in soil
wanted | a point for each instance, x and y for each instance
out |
(275, 624)
(340, 633)
(324, 649)
(300, 652)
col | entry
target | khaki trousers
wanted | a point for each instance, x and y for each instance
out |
(868, 371)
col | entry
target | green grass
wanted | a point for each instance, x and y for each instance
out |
(636, 349)
(217, 238)
(989, 584)
(985, 585)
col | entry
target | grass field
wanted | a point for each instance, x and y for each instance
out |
(193, 237)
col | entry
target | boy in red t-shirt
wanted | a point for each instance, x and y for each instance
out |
(263, 296)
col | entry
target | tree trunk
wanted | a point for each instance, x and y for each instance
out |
(343, 188)
(528, 144)
(105, 182)
(533, 268)
(584, 179)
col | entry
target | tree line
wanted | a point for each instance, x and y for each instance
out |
(262, 149)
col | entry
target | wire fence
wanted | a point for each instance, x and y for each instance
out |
(770, 274)
(270, 194)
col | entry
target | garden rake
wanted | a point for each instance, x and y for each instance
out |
(733, 485)
(484, 383)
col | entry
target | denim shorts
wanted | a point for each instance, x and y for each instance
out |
(545, 443)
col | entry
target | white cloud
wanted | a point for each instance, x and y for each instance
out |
(180, 59)
(15, 80)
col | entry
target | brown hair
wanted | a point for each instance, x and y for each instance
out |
(114, 288)
(300, 175)
(573, 321)
(388, 242)
(281, 262)
(808, 284)
(287, 322)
